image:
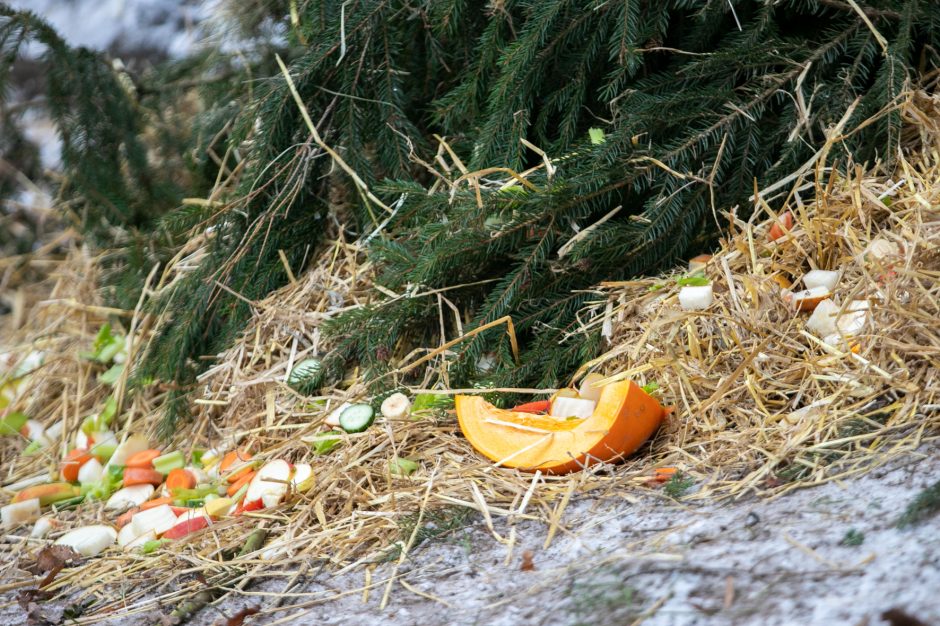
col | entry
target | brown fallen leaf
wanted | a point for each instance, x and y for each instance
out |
(53, 558)
(527, 564)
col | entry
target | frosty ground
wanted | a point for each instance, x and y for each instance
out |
(639, 558)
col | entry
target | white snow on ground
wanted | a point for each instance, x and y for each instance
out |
(169, 25)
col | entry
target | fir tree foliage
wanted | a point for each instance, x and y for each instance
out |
(698, 101)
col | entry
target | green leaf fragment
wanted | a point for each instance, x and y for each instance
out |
(402, 466)
(323, 443)
(12, 423)
(597, 135)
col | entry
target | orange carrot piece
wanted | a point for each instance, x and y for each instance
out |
(125, 518)
(141, 476)
(143, 459)
(244, 480)
(72, 463)
(180, 478)
(149, 504)
(233, 459)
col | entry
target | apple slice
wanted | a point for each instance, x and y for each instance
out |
(273, 479)
(303, 478)
(823, 320)
(698, 263)
(332, 420)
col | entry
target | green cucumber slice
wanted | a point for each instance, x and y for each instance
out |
(356, 418)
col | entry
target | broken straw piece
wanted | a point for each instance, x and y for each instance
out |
(696, 298)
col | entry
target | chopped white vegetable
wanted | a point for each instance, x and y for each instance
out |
(55, 431)
(81, 440)
(192, 514)
(572, 407)
(159, 519)
(128, 497)
(20, 485)
(89, 540)
(821, 278)
(588, 390)
(140, 541)
(18, 513)
(332, 419)
(272, 479)
(42, 527)
(396, 407)
(90, 471)
(823, 320)
(696, 298)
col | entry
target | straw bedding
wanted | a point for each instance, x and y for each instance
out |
(762, 406)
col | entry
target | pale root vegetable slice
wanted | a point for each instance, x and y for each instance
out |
(396, 407)
(696, 297)
(55, 431)
(272, 479)
(89, 540)
(139, 542)
(159, 519)
(42, 527)
(332, 419)
(698, 263)
(32, 481)
(303, 477)
(588, 389)
(127, 535)
(823, 320)
(572, 407)
(199, 474)
(130, 446)
(18, 513)
(90, 471)
(821, 278)
(128, 497)
(808, 299)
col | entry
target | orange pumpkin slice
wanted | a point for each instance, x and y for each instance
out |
(624, 419)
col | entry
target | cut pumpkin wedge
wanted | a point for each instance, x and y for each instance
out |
(623, 420)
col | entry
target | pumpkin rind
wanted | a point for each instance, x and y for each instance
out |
(624, 419)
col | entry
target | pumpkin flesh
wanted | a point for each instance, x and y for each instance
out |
(625, 417)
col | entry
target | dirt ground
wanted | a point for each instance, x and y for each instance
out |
(641, 558)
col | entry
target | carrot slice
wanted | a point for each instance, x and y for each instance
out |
(141, 476)
(143, 459)
(233, 459)
(149, 504)
(72, 463)
(244, 480)
(180, 478)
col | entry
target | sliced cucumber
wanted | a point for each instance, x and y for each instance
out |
(356, 418)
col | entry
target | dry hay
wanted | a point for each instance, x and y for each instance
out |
(738, 374)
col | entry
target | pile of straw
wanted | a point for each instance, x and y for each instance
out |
(761, 405)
